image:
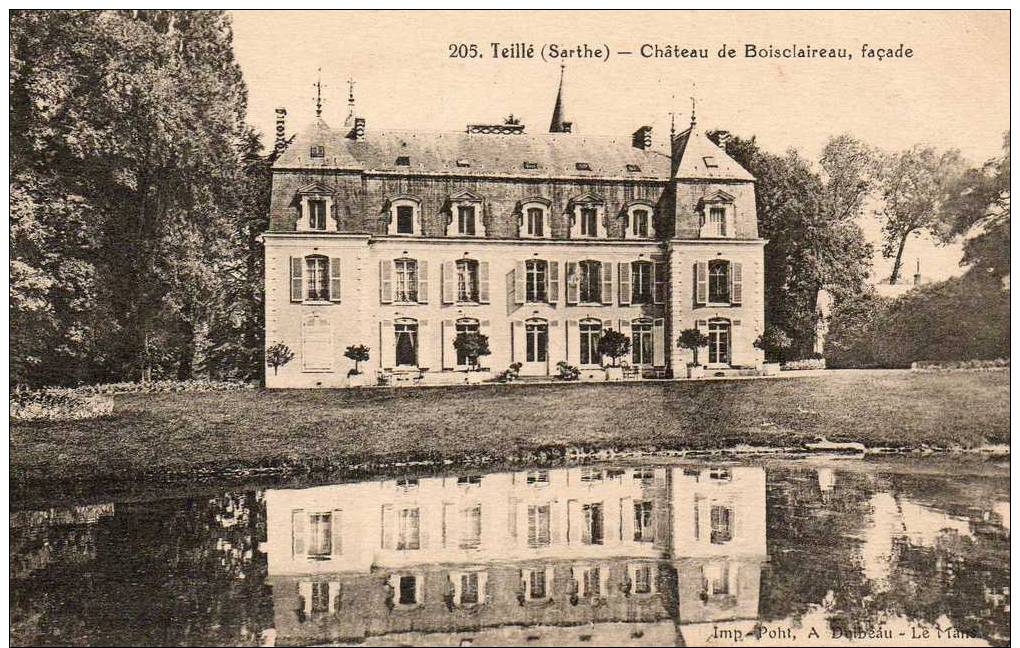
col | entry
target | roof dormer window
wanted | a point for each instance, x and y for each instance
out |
(404, 216)
(633, 168)
(531, 165)
(317, 151)
(718, 216)
(464, 215)
(710, 162)
(403, 160)
(463, 163)
(582, 166)
(316, 205)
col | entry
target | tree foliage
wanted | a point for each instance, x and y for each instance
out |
(473, 345)
(358, 354)
(278, 355)
(692, 339)
(614, 344)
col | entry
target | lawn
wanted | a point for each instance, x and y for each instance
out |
(151, 436)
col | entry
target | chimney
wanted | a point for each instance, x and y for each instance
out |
(642, 138)
(357, 132)
(281, 130)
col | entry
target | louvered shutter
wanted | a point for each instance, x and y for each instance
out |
(297, 532)
(423, 282)
(449, 278)
(483, 328)
(305, 593)
(607, 282)
(736, 283)
(449, 352)
(701, 280)
(628, 333)
(335, 283)
(556, 350)
(483, 282)
(519, 340)
(573, 342)
(520, 285)
(334, 596)
(389, 521)
(552, 279)
(624, 284)
(337, 539)
(296, 267)
(626, 519)
(387, 344)
(659, 342)
(386, 282)
(573, 283)
(575, 523)
(660, 283)
(424, 344)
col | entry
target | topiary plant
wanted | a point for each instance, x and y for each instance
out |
(692, 339)
(278, 355)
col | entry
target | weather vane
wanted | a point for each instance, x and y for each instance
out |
(350, 100)
(318, 95)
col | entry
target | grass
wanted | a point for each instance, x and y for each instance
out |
(156, 435)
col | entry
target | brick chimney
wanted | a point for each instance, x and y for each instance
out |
(642, 138)
(281, 130)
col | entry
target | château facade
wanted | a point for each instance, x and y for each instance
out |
(402, 240)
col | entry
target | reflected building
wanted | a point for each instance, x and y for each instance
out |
(586, 555)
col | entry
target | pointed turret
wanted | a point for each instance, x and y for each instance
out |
(560, 123)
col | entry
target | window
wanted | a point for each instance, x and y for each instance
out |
(710, 161)
(535, 283)
(717, 221)
(633, 168)
(642, 222)
(466, 220)
(317, 151)
(539, 518)
(718, 342)
(642, 282)
(590, 281)
(464, 327)
(469, 589)
(320, 597)
(531, 165)
(715, 580)
(463, 163)
(467, 280)
(589, 217)
(320, 534)
(406, 334)
(718, 282)
(722, 524)
(537, 584)
(582, 166)
(641, 342)
(593, 530)
(643, 522)
(405, 219)
(403, 160)
(538, 478)
(317, 214)
(536, 345)
(592, 582)
(317, 278)
(408, 529)
(407, 590)
(536, 222)
(469, 480)
(471, 527)
(642, 577)
(589, 333)
(407, 281)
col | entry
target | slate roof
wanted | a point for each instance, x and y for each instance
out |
(553, 155)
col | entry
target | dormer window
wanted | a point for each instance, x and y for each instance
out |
(531, 165)
(717, 221)
(463, 163)
(317, 214)
(718, 216)
(640, 221)
(587, 215)
(633, 168)
(710, 161)
(403, 160)
(582, 166)
(405, 216)
(466, 220)
(533, 215)
(317, 151)
(316, 208)
(464, 215)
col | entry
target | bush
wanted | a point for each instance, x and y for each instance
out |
(806, 363)
(52, 406)
(512, 373)
(567, 371)
(961, 365)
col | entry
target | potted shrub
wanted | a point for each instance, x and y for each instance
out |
(359, 354)
(773, 342)
(693, 339)
(473, 346)
(614, 345)
(566, 371)
(278, 355)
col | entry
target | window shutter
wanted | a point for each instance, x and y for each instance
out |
(573, 283)
(298, 532)
(520, 286)
(338, 547)
(600, 226)
(660, 283)
(389, 521)
(624, 284)
(296, 267)
(335, 284)
(701, 279)
(387, 343)
(552, 279)
(519, 340)
(305, 593)
(659, 342)
(736, 283)
(575, 524)
(607, 282)
(334, 596)
(626, 330)
(448, 279)
(483, 282)
(386, 282)
(449, 353)
(424, 357)
(423, 282)
(573, 343)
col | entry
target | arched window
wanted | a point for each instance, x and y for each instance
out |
(640, 220)
(719, 281)
(589, 334)
(536, 332)
(405, 333)
(533, 215)
(405, 216)
(464, 326)
(467, 280)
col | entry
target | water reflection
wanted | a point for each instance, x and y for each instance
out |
(702, 554)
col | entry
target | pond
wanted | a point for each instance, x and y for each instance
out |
(657, 552)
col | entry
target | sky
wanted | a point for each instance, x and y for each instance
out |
(953, 92)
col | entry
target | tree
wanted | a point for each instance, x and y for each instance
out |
(774, 342)
(472, 345)
(278, 355)
(358, 354)
(914, 184)
(614, 344)
(692, 339)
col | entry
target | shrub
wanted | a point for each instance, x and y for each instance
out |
(692, 339)
(774, 342)
(53, 406)
(512, 373)
(473, 345)
(567, 371)
(278, 355)
(961, 365)
(614, 344)
(358, 354)
(806, 363)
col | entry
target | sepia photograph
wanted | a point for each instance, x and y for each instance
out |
(509, 328)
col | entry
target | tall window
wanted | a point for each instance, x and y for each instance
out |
(642, 280)
(317, 214)
(643, 579)
(471, 527)
(469, 594)
(538, 584)
(538, 525)
(592, 582)
(594, 526)
(722, 524)
(641, 342)
(405, 219)
(717, 221)
(537, 341)
(464, 327)
(642, 222)
(317, 278)
(536, 222)
(719, 282)
(320, 597)
(718, 341)
(590, 281)
(467, 280)
(589, 221)
(535, 271)
(407, 593)
(589, 333)
(643, 521)
(320, 538)
(407, 281)
(406, 343)
(466, 220)
(409, 529)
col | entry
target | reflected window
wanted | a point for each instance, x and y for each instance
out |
(719, 281)
(642, 579)
(467, 280)
(469, 594)
(722, 524)
(317, 278)
(594, 524)
(317, 214)
(409, 529)
(464, 327)
(407, 593)
(320, 534)
(644, 528)
(589, 333)
(407, 281)
(539, 518)
(535, 272)
(471, 527)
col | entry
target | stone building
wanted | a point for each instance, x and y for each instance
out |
(402, 240)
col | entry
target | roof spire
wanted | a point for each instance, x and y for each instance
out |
(350, 102)
(560, 123)
(318, 95)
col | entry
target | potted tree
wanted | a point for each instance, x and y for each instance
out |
(474, 345)
(359, 354)
(773, 342)
(693, 339)
(278, 355)
(615, 345)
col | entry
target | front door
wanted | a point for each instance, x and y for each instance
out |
(718, 343)
(536, 349)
